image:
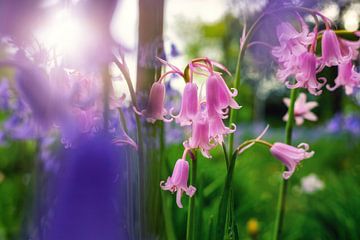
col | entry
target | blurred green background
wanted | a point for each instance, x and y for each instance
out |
(329, 213)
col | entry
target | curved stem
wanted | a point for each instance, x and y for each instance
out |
(280, 213)
(243, 45)
(124, 70)
(191, 213)
(252, 141)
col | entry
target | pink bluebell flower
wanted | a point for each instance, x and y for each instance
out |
(200, 137)
(290, 156)
(306, 74)
(218, 129)
(178, 181)
(155, 107)
(189, 105)
(219, 96)
(292, 45)
(302, 109)
(349, 48)
(331, 51)
(291, 41)
(347, 77)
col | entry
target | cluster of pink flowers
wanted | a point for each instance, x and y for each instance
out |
(204, 115)
(296, 56)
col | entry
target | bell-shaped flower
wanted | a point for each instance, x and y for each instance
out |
(178, 181)
(189, 105)
(292, 42)
(347, 77)
(200, 137)
(219, 96)
(218, 129)
(306, 75)
(302, 109)
(292, 45)
(290, 156)
(155, 107)
(350, 47)
(331, 51)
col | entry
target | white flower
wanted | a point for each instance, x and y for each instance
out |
(311, 184)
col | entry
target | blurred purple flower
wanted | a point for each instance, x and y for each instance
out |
(352, 124)
(341, 123)
(19, 17)
(335, 124)
(48, 150)
(34, 87)
(21, 125)
(90, 193)
(174, 52)
(4, 94)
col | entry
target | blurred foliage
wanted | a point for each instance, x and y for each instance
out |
(16, 180)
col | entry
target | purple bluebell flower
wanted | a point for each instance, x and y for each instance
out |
(4, 95)
(174, 52)
(335, 124)
(34, 87)
(352, 124)
(90, 193)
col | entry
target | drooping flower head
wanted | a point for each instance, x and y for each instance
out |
(189, 105)
(306, 74)
(155, 106)
(302, 109)
(349, 48)
(290, 156)
(218, 129)
(178, 181)
(347, 77)
(292, 42)
(200, 137)
(218, 96)
(292, 45)
(331, 51)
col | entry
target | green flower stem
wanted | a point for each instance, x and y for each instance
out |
(280, 213)
(225, 155)
(124, 70)
(167, 214)
(224, 201)
(223, 207)
(191, 216)
(243, 45)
